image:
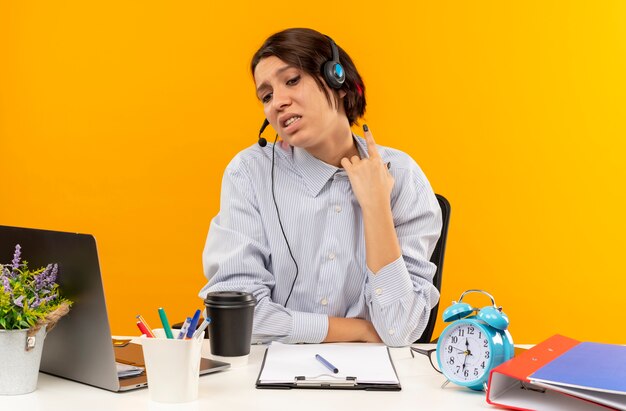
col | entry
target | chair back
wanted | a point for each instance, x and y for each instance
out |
(437, 259)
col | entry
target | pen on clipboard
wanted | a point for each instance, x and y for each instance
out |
(328, 365)
(146, 328)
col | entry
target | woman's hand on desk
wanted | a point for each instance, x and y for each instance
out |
(370, 334)
(351, 330)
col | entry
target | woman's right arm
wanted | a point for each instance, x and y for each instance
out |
(236, 257)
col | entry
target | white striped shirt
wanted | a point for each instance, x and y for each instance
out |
(245, 249)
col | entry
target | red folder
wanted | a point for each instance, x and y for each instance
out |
(509, 386)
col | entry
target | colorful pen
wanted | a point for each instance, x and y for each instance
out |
(193, 324)
(202, 327)
(145, 324)
(144, 330)
(166, 324)
(326, 363)
(184, 328)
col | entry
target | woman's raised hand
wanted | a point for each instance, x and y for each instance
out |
(370, 178)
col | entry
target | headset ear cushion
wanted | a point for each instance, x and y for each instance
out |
(334, 74)
(494, 317)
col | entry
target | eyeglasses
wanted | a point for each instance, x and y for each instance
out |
(430, 354)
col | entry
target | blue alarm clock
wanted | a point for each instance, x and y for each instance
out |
(476, 341)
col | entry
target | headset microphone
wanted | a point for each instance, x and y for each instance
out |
(262, 141)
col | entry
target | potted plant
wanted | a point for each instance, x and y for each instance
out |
(30, 306)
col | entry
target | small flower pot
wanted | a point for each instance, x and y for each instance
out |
(21, 356)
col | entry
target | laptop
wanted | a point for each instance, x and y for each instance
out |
(80, 347)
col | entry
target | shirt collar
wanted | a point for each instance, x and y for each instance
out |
(315, 172)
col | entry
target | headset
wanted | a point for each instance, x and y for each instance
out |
(332, 70)
(335, 76)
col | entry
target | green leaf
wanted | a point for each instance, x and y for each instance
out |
(22, 284)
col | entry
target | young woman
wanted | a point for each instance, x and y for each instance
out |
(331, 233)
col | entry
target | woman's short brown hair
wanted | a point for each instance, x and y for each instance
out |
(308, 50)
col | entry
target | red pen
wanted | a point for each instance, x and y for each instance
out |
(148, 330)
(144, 330)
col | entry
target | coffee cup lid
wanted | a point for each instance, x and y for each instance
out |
(223, 298)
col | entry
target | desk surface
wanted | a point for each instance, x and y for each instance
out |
(234, 390)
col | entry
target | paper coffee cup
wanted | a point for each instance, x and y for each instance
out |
(230, 332)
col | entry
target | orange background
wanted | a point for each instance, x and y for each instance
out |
(117, 118)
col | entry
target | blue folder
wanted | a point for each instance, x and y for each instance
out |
(591, 366)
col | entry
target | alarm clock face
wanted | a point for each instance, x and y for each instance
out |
(465, 353)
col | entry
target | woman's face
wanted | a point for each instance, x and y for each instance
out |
(294, 104)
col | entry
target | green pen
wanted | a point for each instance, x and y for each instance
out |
(166, 324)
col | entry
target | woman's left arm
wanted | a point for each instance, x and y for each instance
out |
(399, 287)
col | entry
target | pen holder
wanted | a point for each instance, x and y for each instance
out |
(172, 367)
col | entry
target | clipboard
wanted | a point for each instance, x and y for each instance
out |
(287, 366)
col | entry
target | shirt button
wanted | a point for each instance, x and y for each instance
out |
(378, 291)
(392, 331)
(337, 209)
(324, 301)
(331, 256)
